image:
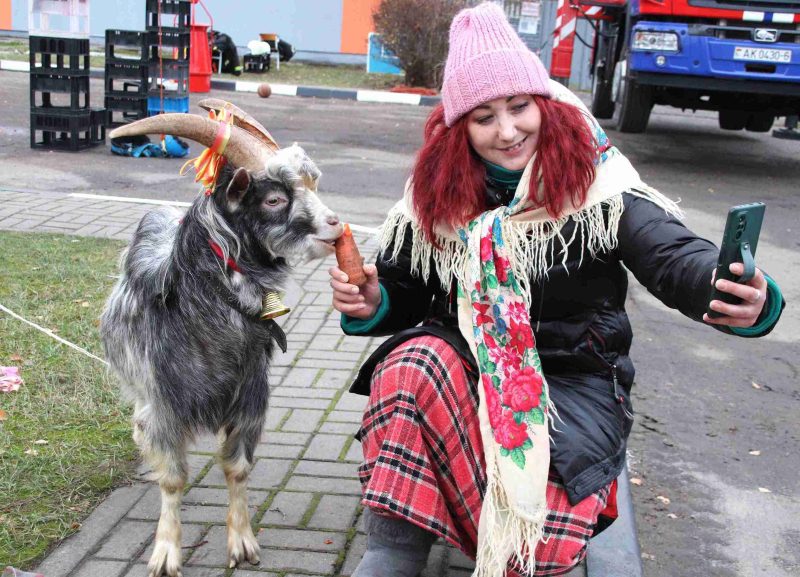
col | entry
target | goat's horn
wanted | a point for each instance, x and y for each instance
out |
(241, 119)
(243, 150)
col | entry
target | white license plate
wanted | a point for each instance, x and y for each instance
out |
(762, 54)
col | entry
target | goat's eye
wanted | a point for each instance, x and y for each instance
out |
(275, 201)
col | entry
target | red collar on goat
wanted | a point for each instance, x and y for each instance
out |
(218, 251)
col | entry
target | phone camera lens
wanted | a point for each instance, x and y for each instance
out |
(738, 234)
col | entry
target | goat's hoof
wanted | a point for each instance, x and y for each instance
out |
(166, 560)
(243, 546)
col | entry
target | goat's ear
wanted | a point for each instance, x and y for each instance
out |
(238, 186)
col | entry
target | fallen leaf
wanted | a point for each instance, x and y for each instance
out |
(328, 541)
(756, 385)
(663, 499)
(764, 490)
(40, 442)
(76, 526)
(3, 415)
(32, 452)
(672, 515)
(754, 453)
(636, 481)
(16, 358)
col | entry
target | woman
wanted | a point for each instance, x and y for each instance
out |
(499, 423)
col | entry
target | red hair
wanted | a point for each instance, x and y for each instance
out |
(450, 179)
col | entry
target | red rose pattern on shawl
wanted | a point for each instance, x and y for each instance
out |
(507, 358)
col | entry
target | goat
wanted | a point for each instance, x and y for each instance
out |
(181, 328)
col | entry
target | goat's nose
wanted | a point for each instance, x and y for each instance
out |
(332, 219)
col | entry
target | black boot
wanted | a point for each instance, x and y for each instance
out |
(395, 547)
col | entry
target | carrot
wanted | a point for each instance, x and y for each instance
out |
(349, 259)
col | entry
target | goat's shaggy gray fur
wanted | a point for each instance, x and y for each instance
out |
(188, 359)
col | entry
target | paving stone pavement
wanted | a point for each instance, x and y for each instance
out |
(304, 491)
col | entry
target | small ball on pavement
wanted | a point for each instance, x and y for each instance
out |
(264, 90)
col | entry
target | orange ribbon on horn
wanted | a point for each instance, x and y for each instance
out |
(208, 165)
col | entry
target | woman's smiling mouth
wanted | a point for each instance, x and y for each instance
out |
(514, 148)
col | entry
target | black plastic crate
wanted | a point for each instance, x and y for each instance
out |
(175, 14)
(124, 109)
(173, 45)
(171, 76)
(59, 55)
(133, 71)
(125, 87)
(44, 86)
(126, 46)
(67, 130)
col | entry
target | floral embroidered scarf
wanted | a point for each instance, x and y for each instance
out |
(494, 258)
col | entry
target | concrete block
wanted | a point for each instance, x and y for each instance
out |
(332, 486)
(334, 512)
(325, 541)
(321, 469)
(127, 540)
(352, 402)
(303, 420)
(98, 568)
(325, 447)
(357, 547)
(287, 508)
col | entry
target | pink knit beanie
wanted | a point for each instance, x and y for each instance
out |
(487, 60)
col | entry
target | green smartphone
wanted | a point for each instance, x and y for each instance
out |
(739, 242)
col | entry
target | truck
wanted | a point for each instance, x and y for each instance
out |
(740, 58)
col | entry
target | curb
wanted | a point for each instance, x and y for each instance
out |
(360, 95)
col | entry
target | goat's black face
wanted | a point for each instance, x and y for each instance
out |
(277, 209)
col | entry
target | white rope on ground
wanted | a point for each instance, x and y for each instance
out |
(50, 333)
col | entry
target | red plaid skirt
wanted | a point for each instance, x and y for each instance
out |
(423, 457)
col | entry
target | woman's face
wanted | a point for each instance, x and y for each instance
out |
(505, 131)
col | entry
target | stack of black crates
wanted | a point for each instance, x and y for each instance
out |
(147, 72)
(61, 114)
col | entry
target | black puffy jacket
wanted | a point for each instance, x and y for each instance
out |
(583, 334)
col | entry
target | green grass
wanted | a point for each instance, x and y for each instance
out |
(67, 399)
(298, 73)
(301, 73)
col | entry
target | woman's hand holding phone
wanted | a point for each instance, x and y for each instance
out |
(752, 295)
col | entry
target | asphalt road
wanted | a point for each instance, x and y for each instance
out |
(716, 434)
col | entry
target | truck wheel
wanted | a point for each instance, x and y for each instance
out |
(634, 102)
(732, 119)
(760, 122)
(602, 104)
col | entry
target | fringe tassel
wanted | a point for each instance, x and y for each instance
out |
(509, 536)
(533, 253)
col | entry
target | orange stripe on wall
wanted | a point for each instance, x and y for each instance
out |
(356, 24)
(5, 14)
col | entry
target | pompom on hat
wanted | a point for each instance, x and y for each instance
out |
(487, 60)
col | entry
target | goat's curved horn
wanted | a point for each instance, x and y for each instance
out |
(243, 150)
(241, 119)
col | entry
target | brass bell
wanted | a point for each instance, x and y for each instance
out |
(272, 307)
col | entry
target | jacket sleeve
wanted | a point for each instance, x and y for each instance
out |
(673, 263)
(409, 296)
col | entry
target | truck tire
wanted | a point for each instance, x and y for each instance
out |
(602, 105)
(732, 119)
(760, 122)
(634, 102)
